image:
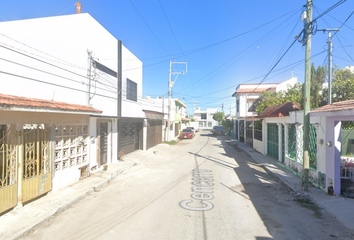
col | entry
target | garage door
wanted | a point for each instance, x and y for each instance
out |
(129, 136)
(154, 132)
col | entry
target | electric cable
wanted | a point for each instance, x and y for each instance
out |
(149, 28)
(39, 60)
(53, 84)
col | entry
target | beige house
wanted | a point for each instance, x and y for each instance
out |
(44, 146)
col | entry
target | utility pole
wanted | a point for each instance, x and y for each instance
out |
(307, 87)
(329, 101)
(194, 102)
(329, 71)
(89, 75)
(170, 85)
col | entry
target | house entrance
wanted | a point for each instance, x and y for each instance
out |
(103, 142)
(8, 168)
(249, 133)
(129, 132)
(273, 141)
(36, 161)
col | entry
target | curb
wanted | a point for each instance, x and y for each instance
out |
(279, 179)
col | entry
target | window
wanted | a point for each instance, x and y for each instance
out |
(252, 104)
(203, 116)
(132, 92)
(257, 130)
(238, 105)
(251, 107)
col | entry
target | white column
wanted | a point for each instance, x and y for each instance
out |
(279, 141)
(286, 136)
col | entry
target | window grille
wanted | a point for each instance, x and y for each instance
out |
(258, 130)
(313, 147)
(69, 151)
(292, 141)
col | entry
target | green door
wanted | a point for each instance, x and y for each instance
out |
(272, 141)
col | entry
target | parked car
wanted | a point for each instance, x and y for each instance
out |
(219, 130)
(187, 133)
(194, 129)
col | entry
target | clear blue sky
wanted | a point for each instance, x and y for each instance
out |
(226, 42)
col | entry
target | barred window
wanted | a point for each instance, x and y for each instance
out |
(292, 141)
(132, 92)
(257, 130)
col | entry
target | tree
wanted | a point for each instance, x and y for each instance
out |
(219, 116)
(318, 77)
(343, 85)
(228, 125)
(293, 94)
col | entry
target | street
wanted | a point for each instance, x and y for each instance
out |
(201, 188)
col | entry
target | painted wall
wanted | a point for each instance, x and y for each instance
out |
(60, 45)
(61, 178)
(258, 145)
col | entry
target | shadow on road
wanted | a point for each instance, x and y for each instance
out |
(259, 187)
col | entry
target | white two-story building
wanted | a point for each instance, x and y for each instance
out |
(205, 118)
(69, 59)
(246, 95)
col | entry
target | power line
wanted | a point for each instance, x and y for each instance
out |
(39, 60)
(56, 75)
(329, 9)
(346, 20)
(61, 61)
(149, 28)
(193, 51)
(53, 84)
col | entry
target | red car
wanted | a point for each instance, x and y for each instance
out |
(186, 133)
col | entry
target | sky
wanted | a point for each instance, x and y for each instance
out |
(224, 42)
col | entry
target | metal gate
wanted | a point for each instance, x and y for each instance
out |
(177, 129)
(154, 132)
(282, 144)
(103, 142)
(36, 161)
(249, 133)
(129, 136)
(272, 141)
(242, 131)
(8, 168)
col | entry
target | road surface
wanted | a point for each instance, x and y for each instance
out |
(202, 188)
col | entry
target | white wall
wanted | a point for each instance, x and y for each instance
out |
(63, 41)
(61, 178)
(258, 145)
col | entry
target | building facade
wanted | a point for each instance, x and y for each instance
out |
(205, 118)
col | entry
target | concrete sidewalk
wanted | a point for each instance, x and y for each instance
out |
(339, 207)
(19, 221)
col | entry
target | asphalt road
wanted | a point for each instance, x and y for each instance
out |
(202, 188)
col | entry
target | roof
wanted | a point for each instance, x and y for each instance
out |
(153, 114)
(181, 103)
(335, 107)
(252, 90)
(9, 102)
(280, 110)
